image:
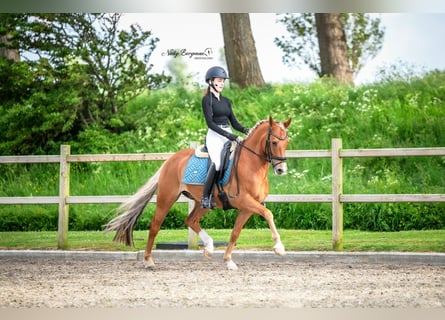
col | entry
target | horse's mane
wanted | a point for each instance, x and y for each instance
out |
(256, 126)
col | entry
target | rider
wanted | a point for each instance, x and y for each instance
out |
(218, 115)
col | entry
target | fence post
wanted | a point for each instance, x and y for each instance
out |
(337, 190)
(64, 191)
(193, 238)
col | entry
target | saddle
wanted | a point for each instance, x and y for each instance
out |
(227, 154)
(196, 170)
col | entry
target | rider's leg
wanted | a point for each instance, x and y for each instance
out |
(207, 199)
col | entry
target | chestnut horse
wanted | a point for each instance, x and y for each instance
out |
(247, 189)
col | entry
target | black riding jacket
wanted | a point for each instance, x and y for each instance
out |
(219, 112)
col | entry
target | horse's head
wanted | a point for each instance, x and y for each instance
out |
(276, 144)
(268, 140)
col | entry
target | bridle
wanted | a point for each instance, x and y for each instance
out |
(269, 156)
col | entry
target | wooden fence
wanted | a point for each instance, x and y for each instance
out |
(336, 197)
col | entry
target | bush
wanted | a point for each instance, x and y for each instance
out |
(390, 114)
(394, 216)
(27, 218)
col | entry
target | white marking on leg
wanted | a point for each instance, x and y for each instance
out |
(208, 243)
(149, 264)
(279, 248)
(231, 265)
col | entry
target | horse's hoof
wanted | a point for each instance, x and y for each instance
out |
(231, 265)
(279, 249)
(279, 252)
(209, 249)
(149, 265)
(208, 253)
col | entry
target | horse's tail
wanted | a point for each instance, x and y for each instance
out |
(130, 210)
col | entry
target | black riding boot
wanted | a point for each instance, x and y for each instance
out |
(207, 199)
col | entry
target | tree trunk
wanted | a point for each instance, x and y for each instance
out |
(333, 47)
(240, 51)
(7, 53)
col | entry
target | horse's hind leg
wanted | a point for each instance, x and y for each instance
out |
(163, 205)
(192, 221)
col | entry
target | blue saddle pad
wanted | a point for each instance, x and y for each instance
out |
(196, 171)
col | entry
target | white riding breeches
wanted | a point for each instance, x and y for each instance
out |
(215, 143)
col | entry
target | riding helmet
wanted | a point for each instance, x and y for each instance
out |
(216, 72)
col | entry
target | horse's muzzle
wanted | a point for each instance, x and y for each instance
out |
(280, 168)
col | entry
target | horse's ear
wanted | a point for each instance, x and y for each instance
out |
(287, 123)
(270, 121)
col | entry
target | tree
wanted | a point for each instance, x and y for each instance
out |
(363, 36)
(240, 51)
(6, 52)
(77, 70)
(333, 47)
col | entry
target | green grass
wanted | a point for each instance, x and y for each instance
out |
(250, 239)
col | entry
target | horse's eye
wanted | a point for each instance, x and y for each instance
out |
(274, 143)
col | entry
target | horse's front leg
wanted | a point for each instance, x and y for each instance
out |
(278, 248)
(240, 221)
(268, 216)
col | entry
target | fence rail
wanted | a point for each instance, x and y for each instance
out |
(336, 197)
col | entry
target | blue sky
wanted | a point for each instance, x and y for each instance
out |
(415, 39)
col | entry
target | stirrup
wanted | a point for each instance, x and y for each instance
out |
(207, 202)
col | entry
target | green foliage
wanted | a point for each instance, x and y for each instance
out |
(364, 37)
(77, 71)
(395, 216)
(34, 117)
(168, 115)
(393, 113)
(302, 42)
(27, 218)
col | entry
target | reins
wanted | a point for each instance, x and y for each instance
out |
(268, 158)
